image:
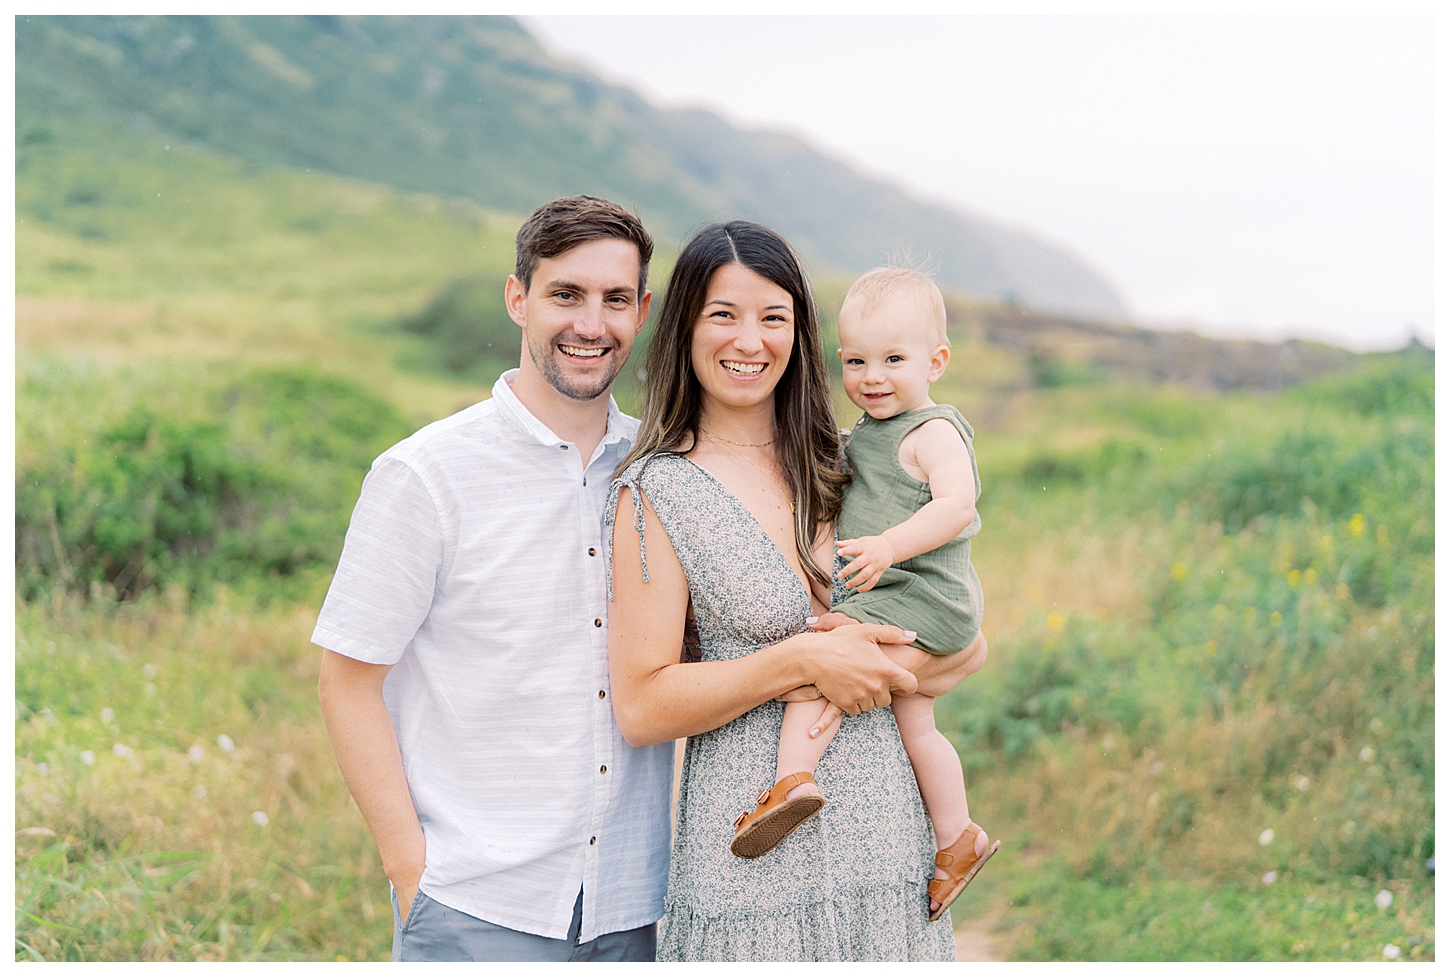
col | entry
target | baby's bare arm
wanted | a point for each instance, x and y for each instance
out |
(938, 451)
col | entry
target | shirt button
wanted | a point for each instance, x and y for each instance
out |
(601, 693)
(598, 623)
(593, 840)
(603, 769)
(563, 447)
(591, 551)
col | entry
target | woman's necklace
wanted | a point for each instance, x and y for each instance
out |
(745, 444)
(738, 444)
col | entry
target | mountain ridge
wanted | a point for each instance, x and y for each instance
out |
(475, 107)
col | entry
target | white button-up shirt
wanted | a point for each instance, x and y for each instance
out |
(475, 564)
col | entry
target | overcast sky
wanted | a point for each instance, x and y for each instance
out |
(1266, 176)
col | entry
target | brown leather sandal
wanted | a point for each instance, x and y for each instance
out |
(961, 863)
(774, 817)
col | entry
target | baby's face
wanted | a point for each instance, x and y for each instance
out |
(889, 358)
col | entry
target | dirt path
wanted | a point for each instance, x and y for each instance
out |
(975, 941)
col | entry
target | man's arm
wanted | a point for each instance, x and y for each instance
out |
(657, 699)
(367, 752)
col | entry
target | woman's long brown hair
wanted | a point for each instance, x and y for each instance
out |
(807, 442)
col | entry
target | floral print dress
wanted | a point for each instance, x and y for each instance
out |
(850, 883)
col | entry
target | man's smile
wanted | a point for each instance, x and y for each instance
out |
(584, 352)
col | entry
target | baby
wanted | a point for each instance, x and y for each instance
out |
(910, 514)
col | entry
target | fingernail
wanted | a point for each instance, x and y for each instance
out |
(812, 620)
(910, 635)
(815, 732)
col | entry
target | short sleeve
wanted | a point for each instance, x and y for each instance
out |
(384, 584)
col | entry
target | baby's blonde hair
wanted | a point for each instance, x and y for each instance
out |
(881, 285)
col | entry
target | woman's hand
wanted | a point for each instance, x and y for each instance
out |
(804, 693)
(851, 667)
(936, 674)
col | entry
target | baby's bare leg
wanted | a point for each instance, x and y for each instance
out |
(798, 752)
(938, 769)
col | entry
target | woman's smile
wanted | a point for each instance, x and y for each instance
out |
(743, 369)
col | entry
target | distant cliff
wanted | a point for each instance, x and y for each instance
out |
(473, 107)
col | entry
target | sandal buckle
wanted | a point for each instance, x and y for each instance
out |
(741, 817)
(763, 796)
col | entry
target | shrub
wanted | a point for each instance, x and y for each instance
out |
(1398, 384)
(467, 330)
(258, 487)
(149, 494)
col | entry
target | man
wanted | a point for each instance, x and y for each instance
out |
(465, 678)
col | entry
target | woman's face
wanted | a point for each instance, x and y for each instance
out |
(742, 340)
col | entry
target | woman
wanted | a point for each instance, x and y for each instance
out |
(734, 487)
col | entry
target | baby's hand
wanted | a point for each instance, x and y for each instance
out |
(873, 556)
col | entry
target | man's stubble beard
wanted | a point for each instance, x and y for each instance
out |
(542, 352)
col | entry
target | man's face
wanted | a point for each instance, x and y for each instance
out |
(580, 316)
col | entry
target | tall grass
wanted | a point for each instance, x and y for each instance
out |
(1211, 617)
(1236, 768)
(1162, 693)
(176, 796)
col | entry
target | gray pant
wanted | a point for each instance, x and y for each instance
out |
(436, 932)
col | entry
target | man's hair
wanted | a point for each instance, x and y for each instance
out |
(563, 224)
(881, 285)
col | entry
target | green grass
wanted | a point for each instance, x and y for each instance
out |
(1275, 676)
(1209, 615)
(145, 853)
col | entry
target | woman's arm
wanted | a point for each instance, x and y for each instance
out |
(657, 698)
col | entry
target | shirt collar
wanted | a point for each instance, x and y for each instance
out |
(615, 429)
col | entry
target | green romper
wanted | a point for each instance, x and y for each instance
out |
(936, 594)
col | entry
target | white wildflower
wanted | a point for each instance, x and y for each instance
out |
(107, 716)
(1367, 754)
(225, 742)
(1266, 837)
(260, 819)
(1384, 898)
(87, 757)
(148, 670)
(1302, 783)
(1392, 952)
(199, 792)
(123, 751)
(1270, 878)
(195, 754)
(44, 769)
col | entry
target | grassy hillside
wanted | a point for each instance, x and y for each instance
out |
(1205, 730)
(474, 108)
